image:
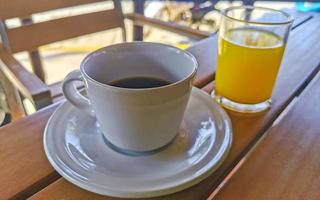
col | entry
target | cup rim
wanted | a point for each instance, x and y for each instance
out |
(193, 59)
(289, 20)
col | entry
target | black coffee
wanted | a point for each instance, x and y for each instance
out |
(139, 82)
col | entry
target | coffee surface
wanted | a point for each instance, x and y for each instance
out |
(139, 82)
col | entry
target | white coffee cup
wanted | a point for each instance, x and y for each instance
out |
(137, 120)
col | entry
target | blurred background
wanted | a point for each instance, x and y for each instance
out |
(62, 57)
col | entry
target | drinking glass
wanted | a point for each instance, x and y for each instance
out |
(251, 45)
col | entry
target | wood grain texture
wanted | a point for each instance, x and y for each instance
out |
(12, 97)
(62, 189)
(61, 29)
(286, 164)
(22, 8)
(22, 157)
(27, 83)
(246, 128)
(141, 20)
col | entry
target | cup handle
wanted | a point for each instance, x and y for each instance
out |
(73, 95)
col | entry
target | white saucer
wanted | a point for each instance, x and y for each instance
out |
(74, 146)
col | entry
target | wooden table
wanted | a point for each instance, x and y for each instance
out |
(282, 165)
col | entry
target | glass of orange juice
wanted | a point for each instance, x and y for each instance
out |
(251, 45)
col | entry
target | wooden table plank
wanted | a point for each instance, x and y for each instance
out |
(62, 189)
(286, 164)
(22, 156)
(34, 126)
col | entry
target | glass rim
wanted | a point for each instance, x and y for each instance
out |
(288, 16)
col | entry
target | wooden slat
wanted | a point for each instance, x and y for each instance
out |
(246, 128)
(26, 82)
(12, 97)
(3, 33)
(21, 142)
(22, 8)
(31, 36)
(34, 56)
(170, 26)
(286, 164)
(36, 63)
(62, 189)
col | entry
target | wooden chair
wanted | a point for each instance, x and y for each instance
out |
(29, 36)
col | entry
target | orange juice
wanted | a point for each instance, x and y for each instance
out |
(248, 63)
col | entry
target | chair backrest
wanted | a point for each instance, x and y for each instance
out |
(29, 36)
